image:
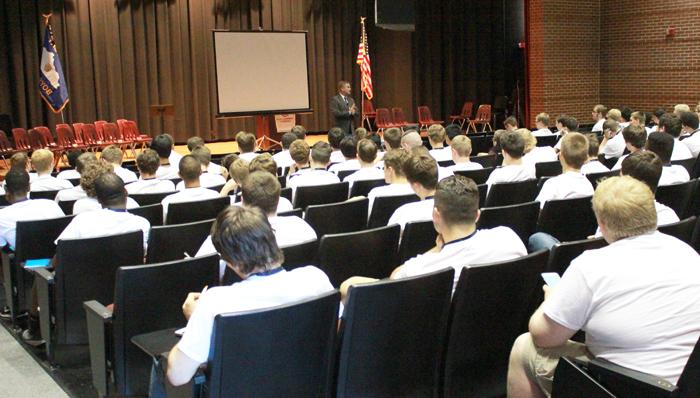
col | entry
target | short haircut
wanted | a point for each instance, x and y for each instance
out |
(263, 162)
(190, 168)
(510, 121)
(457, 200)
(570, 123)
(83, 160)
(17, 182)
(299, 131)
(367, 150)
(645, 166)
(611, 125)
(396, 159)
(299, 151)
(109, 190)
(73, 157)
(659, 112)
(42, 160)
(287, 139)
(574, 150)
(635, 136)
(462, 145)
(561, 119)
(452, 131)
(348, 147)
(600, 109)
(321, 152)
(244, 238)
(112, 154)
(194, 142)
(412, 139)
(162, 145)
(625, 206)
(689, 119)
(148, 162)
(228, 159)
(92, 171)
(245, 141)
(436, 133)
(170, 138)
(239, 170)
(641, 117)
(392, 137)
(626, 113)
(681, 108)
(614, 114)
(261, 189)
(593, 145)
(19, 160)
(342, 83)
(662, 145)
(360, 133)
(513, 143)
(335, 135)
(421, 169)
(671, 124)
(203, 154)
(529, 138)
(543, 118)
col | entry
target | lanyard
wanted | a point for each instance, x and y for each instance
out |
(267, 272)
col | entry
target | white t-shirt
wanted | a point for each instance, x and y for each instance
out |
(593, 166)
(364, 174)
(167, 172)
(639, 309)
(414, 211)
(598, 126)
(213, 168)
(481, 247)
(614, 147)
(444, 172)
(540, 154)
(350, 164)
(569, 185)
(441, 154)
(673, 174)
(188, 195)
(337, 157)
(152, 185)
(126, 175)
(511, 173)
(693, 144)
(310, 177)
(174, 159)
(206, 180)
(248, 156)
(388, 190)
(48, 183)
(105, 222)
(90, 204)
(680, 151)
(284, 159)
(284, 205)
(26, 210)
(618, 164)
(464, 166)
(74, 193)
(68, 175)
(542, 132)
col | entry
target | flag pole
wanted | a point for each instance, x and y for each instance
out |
(362, 93)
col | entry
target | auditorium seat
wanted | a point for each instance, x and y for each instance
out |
(399, 119)
(294, 212)
(568, 219)
(21, 139)
(510, 193)
(571, 381)
(547, 169)
(50, 195)
(384, 206)
(286, 193)
(186, 212)
(67, 139)
(418, 237)
(679, 197)
(563, 253)
(66, 206)
(152, 213)
(335, 218)
(363, 187)
(521, 218)
(547, 140)
(282, 180)
(682, 229)
(344, 173)
(688, 164)
(300, 255)
(479, 176)
(6, 149)
(146, 199)
(383, 120)
(74, 181)
(407, 321)
(174, 242)
(594, 178)
(446, 163)
(320, 194)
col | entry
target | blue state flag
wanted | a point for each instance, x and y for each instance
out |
(52, 82)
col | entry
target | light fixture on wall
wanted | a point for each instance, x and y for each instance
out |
(671, 31)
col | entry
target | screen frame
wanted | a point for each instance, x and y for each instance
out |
(265, 111)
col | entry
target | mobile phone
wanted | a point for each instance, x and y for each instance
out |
(551, 278)
(37, 262)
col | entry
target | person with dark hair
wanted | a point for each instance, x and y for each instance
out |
(626, 117)
(593, 165)
(299, 131)
(392, 138)
(421, 171)
(77, 192)
(190, 170)
(148, 162)
(655, 118)
(671, 124)
(93, 171)
(691, 126)
(452, 131)
(246, 145)
(317, 173)
(513, 146)
(206, 179)
(71, 173)
(283, 158)
(565, 124)
(163, 146)
(335, 136)
(194, 142)
(367, 155)
(662, 145)
(174, 157)
(348, 148)
(635, 137)
(613, 144)
(244, 238)
(510, 124)
(226, 162)
(343, 108)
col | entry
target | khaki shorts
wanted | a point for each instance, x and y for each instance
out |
(540, 363)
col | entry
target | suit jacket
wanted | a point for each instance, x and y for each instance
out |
(341, 113)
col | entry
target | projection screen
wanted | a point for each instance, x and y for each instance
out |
(261, 72)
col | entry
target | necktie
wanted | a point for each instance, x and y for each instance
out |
(346, 100)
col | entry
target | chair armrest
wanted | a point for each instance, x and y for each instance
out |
(99, 321)
(628, 382)
(44, 280)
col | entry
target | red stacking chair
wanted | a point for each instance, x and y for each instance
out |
(94, 140)
(6, 148)
(383, 120)
(114, 136)
(368, 113)
(465, 115)
(483, 118)
(66, 138)
(38, 140)
(425, 119)
(21, 139)
(399, 118)
(132, 134)
(48, 138)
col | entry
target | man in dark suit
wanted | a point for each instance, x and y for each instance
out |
(343, 108)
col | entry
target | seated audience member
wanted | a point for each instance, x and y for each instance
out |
(513, 146)
(163, 147)
(88, 177)
(613, 114)
(635, 139)
(190, 170)
(266, 163)
(565, 124)
(174, 157)
(226, 162)
(206, 179)
(662, 145)
(114, 156)
(411, 139)
(282, 158)
(571, 183)
(443, 172)
(20, 160)
(299, 151)
(646, 167)
(655, 118)
(360, 133)
(42, 160)
(367, 154)
(77, 191)
(245, 240)
(246, 145)
(194, 142)
(598, 295)
(348, 148)
(542, 124)
(72, 173)
(212, 168)
(148, 162)
(459, 243)
(392, 138)
(452, 131)
(639, 119)
(510, 124)
(317, 174)
(299, 131)
(335, 136)
(238, 171)
(680, 108)
(536, 154)
(690, 126)
(625, 117)
(461, 148)
(394, 162)
(598, 115)
(436, 138)
(613, 144)
(593, 165)
(496, 148)
(670, 124)
(421, 171)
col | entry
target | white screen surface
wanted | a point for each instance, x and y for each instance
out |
(261, 72)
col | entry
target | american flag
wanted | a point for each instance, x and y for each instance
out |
(363, 61)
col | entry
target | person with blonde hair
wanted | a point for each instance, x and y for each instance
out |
(114, 156)
(613, 144)
(680, 108)
(42, 161)
(639, 119)
(628, 285)
(461, 149)
(238, 171)
(571, 183)
(542, 124)
(614, 114)
(436, 138)
(598, 116)
(533, 153)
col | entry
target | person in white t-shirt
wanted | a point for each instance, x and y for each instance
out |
(646, 166)
(212, 168)
(513, 147)
(77, 191)
(206, 179)
(639, 310)
(536, 154)
(635, 140)
(238, 172)
(613, 144)
(190, 170)
(71, 173)
(593, 165)
(571, 183)
(690, 128)
(335, 136)
(114, 156)
(459, 244)
(565, 124)
(21, 160)
(246, 145)
(436, 138)
(392, 138)
(282, 158)
(510, 124)
(174, 157)
(42, 161)
(598, 115)
(147, 162)
(300, 152)
(265, 284)
(461, 148)
(542, 125)
(394, 162)
(164, 147)
(662, 145)
(625, 117)
(92, 172)
(671, 124)
(266, 163)
(348, 148)
(422, 174)
(317, 174)
(655, 118)
(367, 154)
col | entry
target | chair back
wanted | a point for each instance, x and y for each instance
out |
(36, 140)
(142, 307)
(562, 254)
(467, 109)
(568, 219)
(394, 363)
(145, 199)
(66, 206)
(688, 164)
(320, 194)
(570, 381)
(336, 218)
(547, 140)
(174, 242)
(344, 173)
(294, 212)
(78, 131)
(364, 187)
(385, 206)
(418, 237)
(152, 213)
(487, 161)
(679, 197)
(250, 350)
(112, 133)
(689, 382)
(367, 107)
(51, 195)
(424, 115)
(21, 139)
(300, 255)
(510, 193)
(398, 116)
(521, 218)
(35, 239)
(682, 230)
(548, 169)
(595, 178)
(5, 144)
(286, 193)
(372, 253)
(187, 212)
(123, 126)
(483, 113)
(45, 133)
(490, 308)
(479, 176)
(65, 136)
(383, 119)
(100, 129)
(85, 271)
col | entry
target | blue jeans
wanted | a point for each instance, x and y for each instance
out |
(540, 241)
(156, 387)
